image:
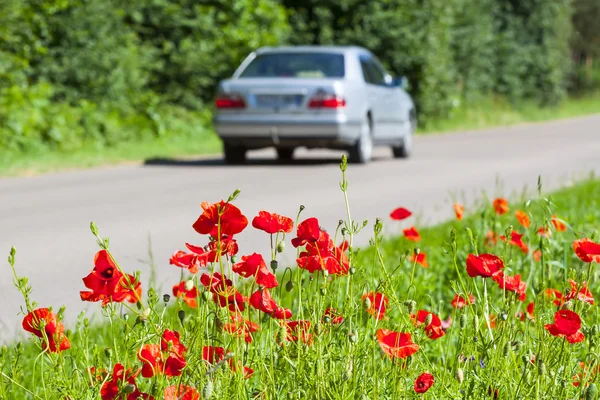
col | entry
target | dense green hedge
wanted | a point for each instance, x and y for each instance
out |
(105, 71)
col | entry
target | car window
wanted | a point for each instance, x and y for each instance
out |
(296, 65)
(372, 73)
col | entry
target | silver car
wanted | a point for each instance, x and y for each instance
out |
(314, 97)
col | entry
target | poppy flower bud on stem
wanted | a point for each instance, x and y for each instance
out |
(289, 286)
(541, 367)
(206, 295)
(107, 352)
(591, 393)
(460, 375)
(353, 336)
(166, 297)
(181, 315)
(189, 285)
(280, 247)
(428, 319)
(411, 306)
(352, 271)
(234, 259)
(129, 388)
(274, 265)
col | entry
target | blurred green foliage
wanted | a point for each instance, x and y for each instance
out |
(75, 72)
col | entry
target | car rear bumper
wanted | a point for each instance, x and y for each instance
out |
(257, 133)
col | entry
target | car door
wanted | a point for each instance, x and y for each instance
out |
(376, 93)
(392, 110)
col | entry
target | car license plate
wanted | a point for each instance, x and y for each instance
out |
(279, 100)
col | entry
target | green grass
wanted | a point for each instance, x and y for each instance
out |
(485, 114)
(344, 361)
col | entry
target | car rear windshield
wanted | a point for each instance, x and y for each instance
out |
(296, 65)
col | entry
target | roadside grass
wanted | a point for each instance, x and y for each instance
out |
(519, 358)
(484, 114)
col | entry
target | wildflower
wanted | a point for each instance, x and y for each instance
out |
(500, 206)
(323, 255)
(412, 234)
(396, 344)
(167, 358)
(108, 283)
(224, 294)
(459, 301)
(377, 304)
(523, 219)
(566, 324)
(224, 215)
(433, 329)
(543, 231)
(555, 296)
(459, 211)
(423, 382)
(188, 296)
(213, 354)
(334, 316)
(113, 388)
(262, 300)
(559, 225)
(254, 265)
(484, 265)
(582, 294)
(537, 255)
(190, 261)
(298, 330)
(241, 327)
(400, 213)
(420, 259)
(272, 223)
(308, 231)
(511, 283)
(210, 253)
(528, 312)
(181, 393)
(491, 238)
(45, 324)
(587, 250)
(516, 239)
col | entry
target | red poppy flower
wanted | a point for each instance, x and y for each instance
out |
(254, 265)
(500, 206)
(491, 238)
(543, 231)
(241, 327)
(334, 316)
(420, 258)
(323, 255)
(511, 283)
(272, 223)
(113, 388)
(189, 296)
(308, 231)
(108, 283)
(459, 211)
(230, 218)
(516, 239)
(412, 234)
(213, 354)
(459, 301)
(537, 255)
(187, 260)
(167, 358)
(523, 218)
(298, 330)
(587, 250)
(282, 313)
(210, 253)
(396, 344)
(555, 295)
(528, 312)
(434, 329)
(566, 324)
(423, 382)
(216, 282)
(558, 224)
(400, 213)
(262, 300)
(41, 322)
(230, 298)
(378, 304)
(181, 393)
(484, 265)
(583, 294)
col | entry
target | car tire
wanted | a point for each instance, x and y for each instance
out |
(234, 155)
(362, 151)
(405, 149)
(285, 154)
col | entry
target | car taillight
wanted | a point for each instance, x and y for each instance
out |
(326, 102)
(229, 101)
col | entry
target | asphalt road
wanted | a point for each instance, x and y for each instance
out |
(47, 217)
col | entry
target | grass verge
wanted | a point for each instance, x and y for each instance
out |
(515, 355)
(485, 114)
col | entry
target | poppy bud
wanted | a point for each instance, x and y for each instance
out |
(274, 265)
(289, 286)
(595, 330)
(591, 393)
(411, 306)
(417, 251)
(503, 316)
(367, 303)
(345, 231)
(234, 259)
(166, 297)
(352, 271)
(327, 319)
(181, 315)
(568, 305)
(189, 285)
(476, 322)
(302, 207)
(541, 367)
(206, 295)
(107, 352)
(129, 388)
(207, 390)
(460, 375)
(323, 291)
(428, 319)
(353, 336)
(145, 314)
(463, 320)
(280, 247)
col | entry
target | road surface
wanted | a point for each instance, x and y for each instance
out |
(47, 217)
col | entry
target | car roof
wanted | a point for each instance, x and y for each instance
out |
(312, 49)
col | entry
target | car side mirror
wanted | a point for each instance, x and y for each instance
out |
(399, 82)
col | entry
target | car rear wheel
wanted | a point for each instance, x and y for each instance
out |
(362, 151)
(285, 153)
(234, 155)
(406, 148)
